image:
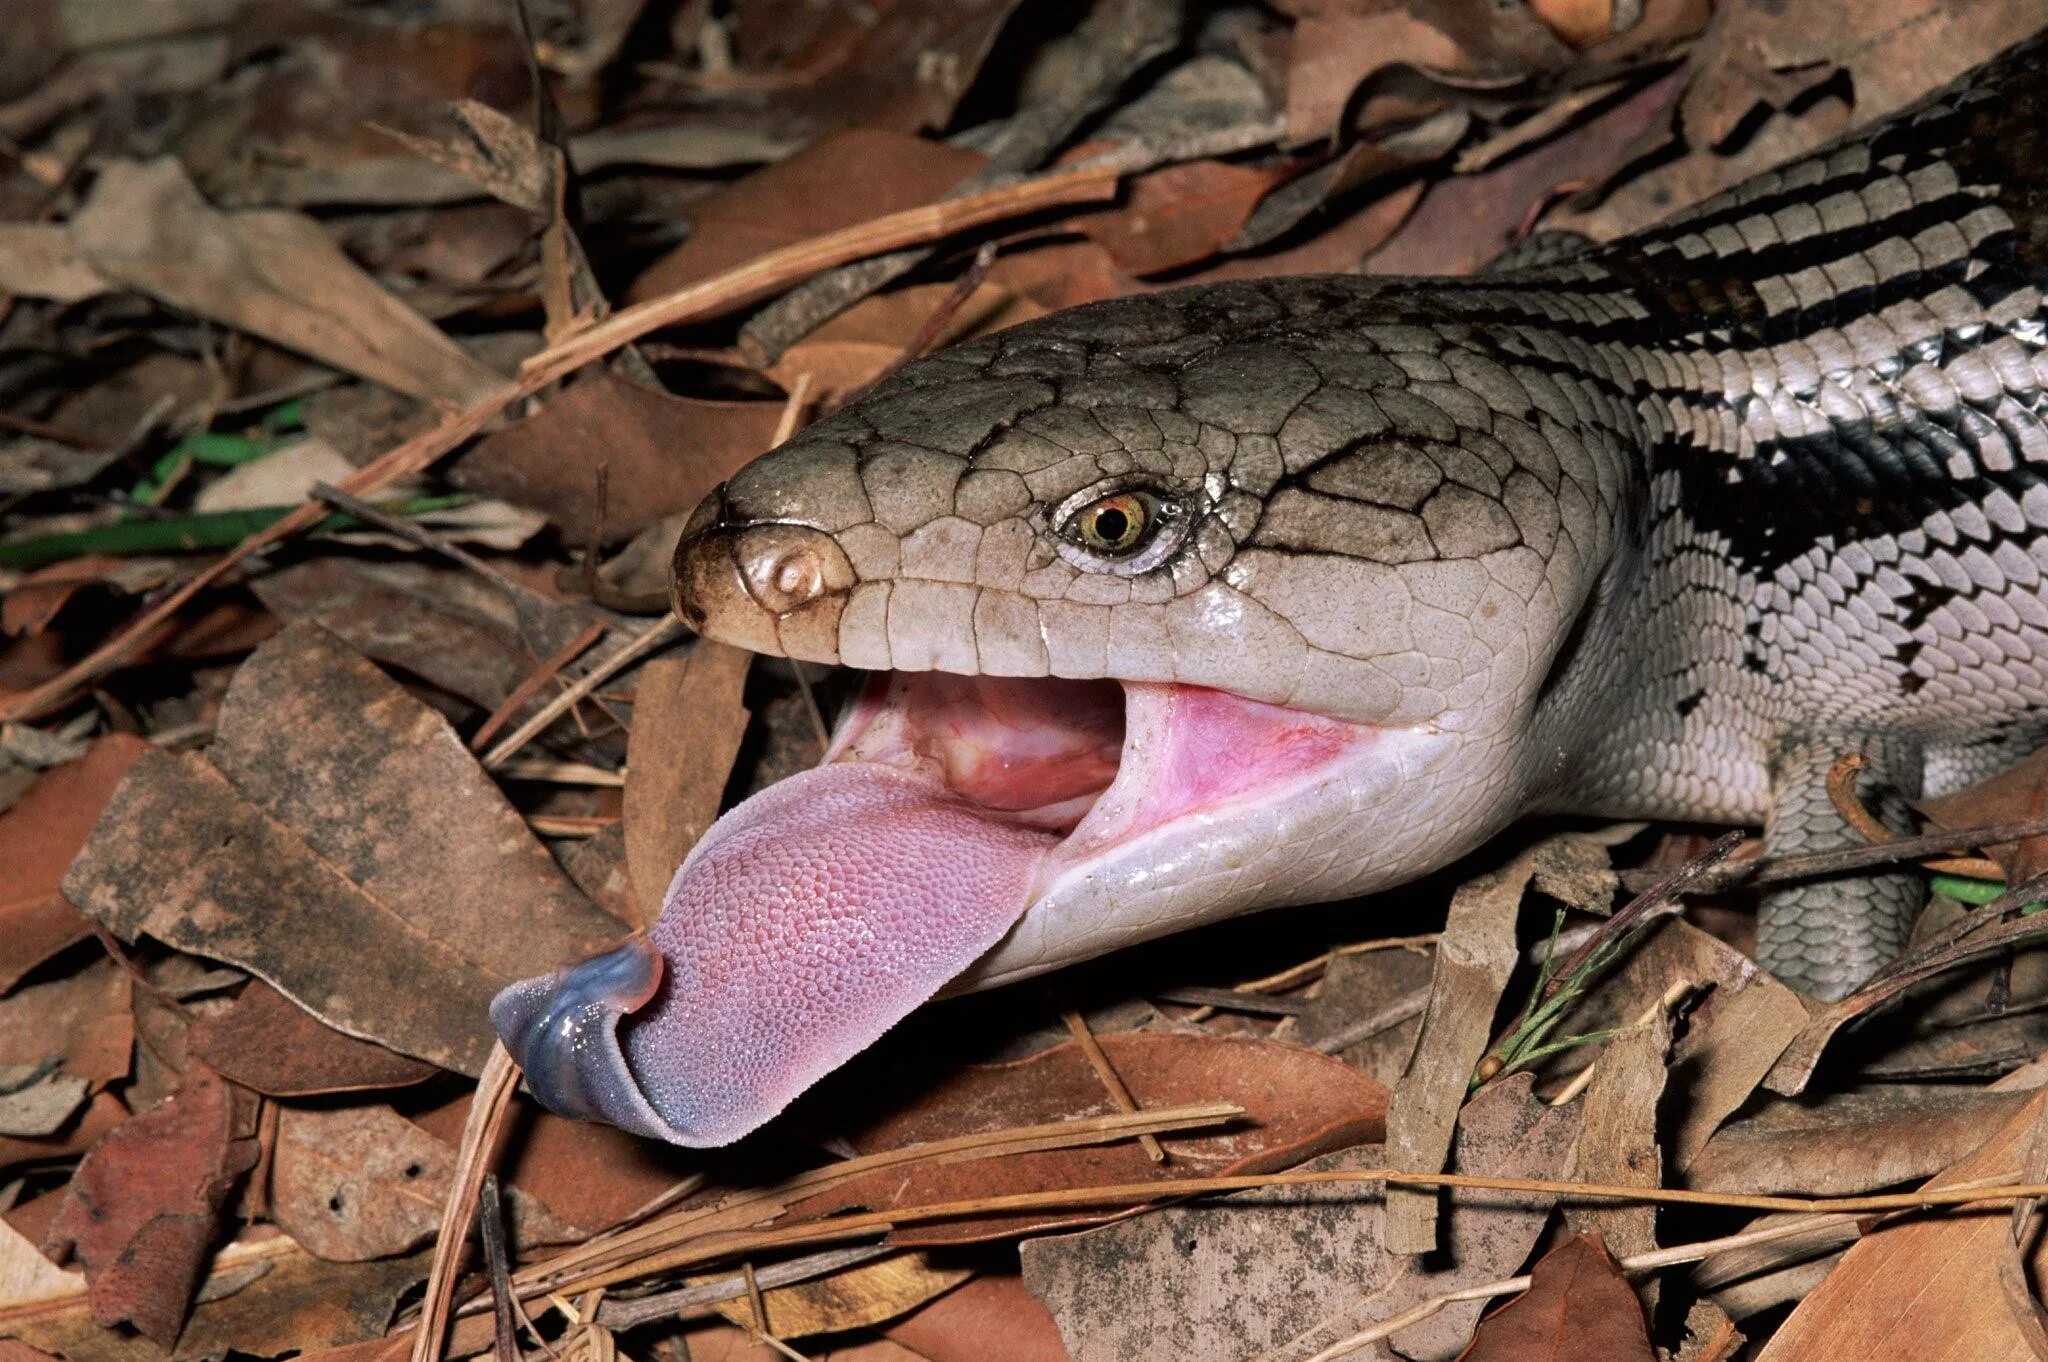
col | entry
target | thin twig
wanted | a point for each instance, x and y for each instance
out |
(1365, 1028)
(490, 1221)
(534, 682)
(1077, 1027)
(648, 641)
(1583, 1079)
(1809, 865)
(1232, 1000)
(691, 1299)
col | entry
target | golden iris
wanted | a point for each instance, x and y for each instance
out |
(1114, 525)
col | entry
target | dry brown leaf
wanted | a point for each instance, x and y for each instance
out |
(1465, 221)
(661, 453)
(1225, 1280)
(1299, 1105)
(369, 869)
(353, 1183)
(82, 1017)
(1362, 991)
(272, 273)
(1921, 1287)
(38, 838)
(144, 1206)
(854, 348)
(688, 721)
(1578, 1307)
(39, 260)
(2018, 792)
(269, 1044)
(1178, 215)
(834, 182)
(440, 623)
(1733, 1039)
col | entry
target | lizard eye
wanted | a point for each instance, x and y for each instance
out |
(1124, 530)
(1116, 524)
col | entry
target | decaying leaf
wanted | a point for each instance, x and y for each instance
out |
(688, 721)
(363, 1182)
(144, 1207)
(1618, 1138)
(368, 869)
(1288, 1270)
(1922, 1287)
(1475, 955)
(1578, 1307)
(1857, 1141)
(269, 1044)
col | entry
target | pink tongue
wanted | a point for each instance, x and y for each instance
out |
(808, 921)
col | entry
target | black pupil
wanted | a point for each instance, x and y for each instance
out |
(1111, 525)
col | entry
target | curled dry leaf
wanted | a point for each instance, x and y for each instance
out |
(144, 1207)
(1578, 1306)
(1299, 1105)
(1857, 1141)
(368, 868)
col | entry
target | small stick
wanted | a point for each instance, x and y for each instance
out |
(534, 682)
(1230, 1000)
(647, 641)
(1106, 1071)
(569, 824)
(414, 533)
(561, 772)
(490, 1222)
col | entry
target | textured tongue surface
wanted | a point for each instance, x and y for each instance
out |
(809, 920)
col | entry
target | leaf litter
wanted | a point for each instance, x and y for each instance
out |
(284, 797)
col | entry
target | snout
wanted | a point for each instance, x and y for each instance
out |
(772, 587)
(563, 1029)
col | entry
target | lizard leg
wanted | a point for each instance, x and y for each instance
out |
(1825, 937)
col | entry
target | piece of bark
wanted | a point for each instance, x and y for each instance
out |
(1618, 1141)
(688, 722)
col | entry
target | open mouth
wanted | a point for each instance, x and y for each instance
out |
(818, 913)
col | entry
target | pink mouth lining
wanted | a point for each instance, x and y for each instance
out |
(817, 914)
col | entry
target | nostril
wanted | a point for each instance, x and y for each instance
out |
(798, 577)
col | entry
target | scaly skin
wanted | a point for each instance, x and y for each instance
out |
(1647, 532)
